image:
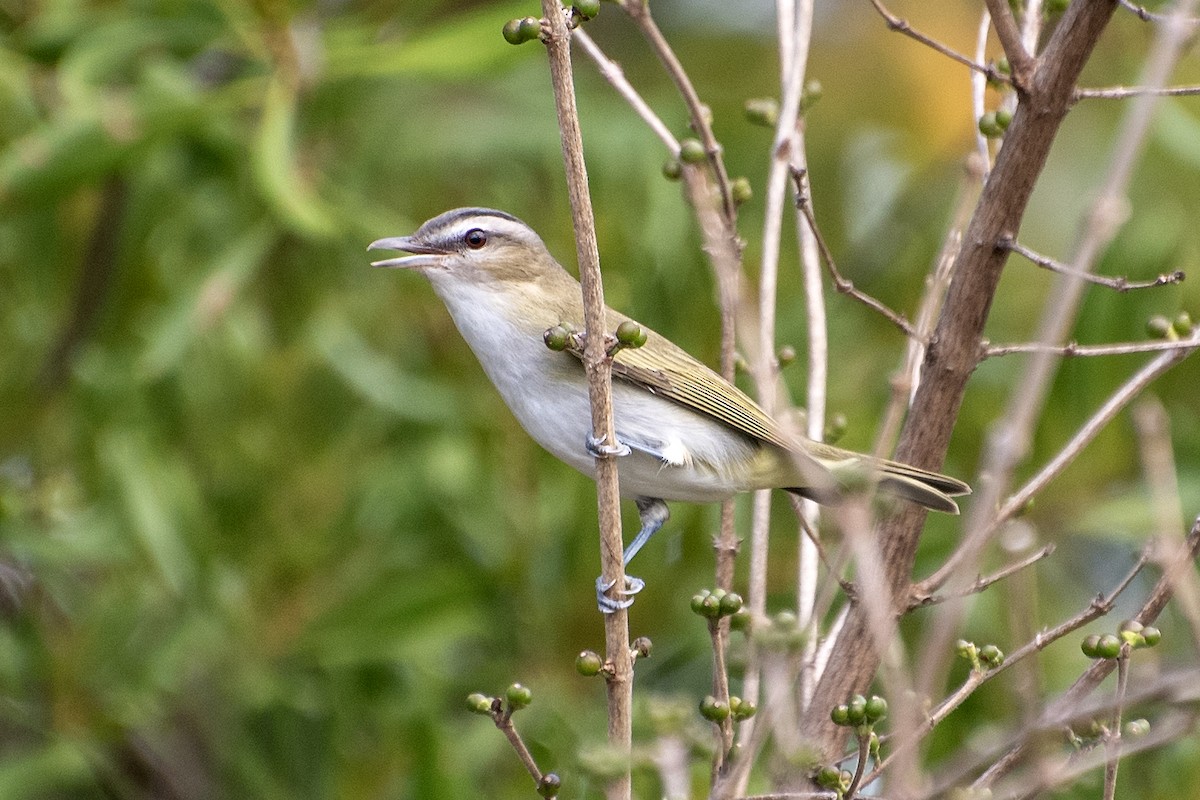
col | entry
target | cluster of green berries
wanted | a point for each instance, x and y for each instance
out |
(1159, 327)
(1131, 632)
(714, 604)
(993, 124)
(859, 711)
(559, 337)
(715, 710)
(630, 334)
(517, 696)
(526, 29)
(982, 658)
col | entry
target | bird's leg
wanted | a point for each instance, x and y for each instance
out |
(600, 448)
(653, 513)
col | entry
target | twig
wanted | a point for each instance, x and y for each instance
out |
(1070, 700)
(598, 366)
(864, 741)
(503, 720)
(1120, 398)
(1150, 16)
(639, 12)
(1112, 742)
(1125, 92)
(901, 26)
(1088, 431)
(1075, 350)
(611, 71)
(1100, 606)
(1158, 462)
(1120, 283)
(1010, 39)
(982, 582)
(840, 283)
(1010, 441)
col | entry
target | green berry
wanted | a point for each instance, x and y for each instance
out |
(530, 28)
(518, 696)
(741, 190)
(1091, 645)
(479, 703)
(786, 355)
(989, 127)
(588, 663)
(1003, 118)
(557, 338)
(1151, 635)
(698, 601)
(713, 709)
(740, 621)
(1130, 632)
(745, 709)
(1109, 646)
(991, 655)
(1159, 327)
(829, 777)
(730, 604)
(840, 715)
(1182, 324)
(642, 646)
(549, 785)
(836, 426)
(786, 621)
(966, 650)
(763, 111)
(672, 169)
(710, 608)
(857, 710)
(692, 152)
(512, 32)
(587, 8)
(630, 334)
(876, 708)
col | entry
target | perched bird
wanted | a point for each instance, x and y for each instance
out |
(685, 433)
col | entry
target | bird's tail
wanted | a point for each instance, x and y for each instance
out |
(929, 489)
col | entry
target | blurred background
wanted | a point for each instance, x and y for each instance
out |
(264, 523)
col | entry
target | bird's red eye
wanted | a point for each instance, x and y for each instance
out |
(475, 238)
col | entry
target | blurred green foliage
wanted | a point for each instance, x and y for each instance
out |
(263, 524)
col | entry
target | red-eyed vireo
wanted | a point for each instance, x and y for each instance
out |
(684, 431)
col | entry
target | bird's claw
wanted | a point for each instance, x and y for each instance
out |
(608, 604)
(599, 448)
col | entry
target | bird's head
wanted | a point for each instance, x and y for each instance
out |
(472, 245)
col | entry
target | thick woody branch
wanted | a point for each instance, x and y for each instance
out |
(954, 350)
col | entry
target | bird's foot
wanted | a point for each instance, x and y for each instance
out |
(599, 448)
(608, 604)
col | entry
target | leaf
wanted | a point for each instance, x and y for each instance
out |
(372, 375)
(275, 171)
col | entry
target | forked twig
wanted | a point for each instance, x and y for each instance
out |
(901, 25)
(983, 581)
(1120, 283)
(842, 284)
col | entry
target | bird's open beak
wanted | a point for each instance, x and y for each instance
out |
(423, 255)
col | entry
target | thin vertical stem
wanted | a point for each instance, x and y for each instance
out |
(599, 374)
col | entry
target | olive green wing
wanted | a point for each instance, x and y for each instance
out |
(665, 370)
